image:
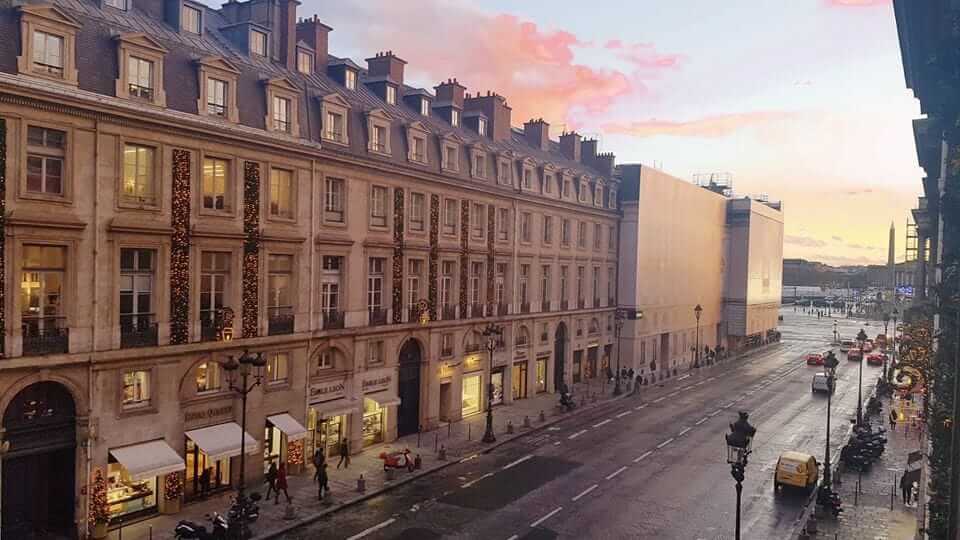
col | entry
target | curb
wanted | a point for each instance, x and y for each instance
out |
(313, 517)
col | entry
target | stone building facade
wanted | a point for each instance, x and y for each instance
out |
(182, 186)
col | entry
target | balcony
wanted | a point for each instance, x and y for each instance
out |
(581, 303)
(208, 327)
(502, 309)
(448, 312)
(545, 305)
(280, 321)
(45, 335)
(596, 302)
(476, 311)
(413, 314)
(446, 351)
(524, 307)
(471, 348)
(332, 320)
(611, 302)
(137, 331)
(378, 317)
(564, 305)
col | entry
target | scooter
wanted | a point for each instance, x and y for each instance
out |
(397, 460)
(567, 402)
(827, 498)
(195, 531)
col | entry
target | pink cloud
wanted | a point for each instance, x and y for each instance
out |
(706, 127)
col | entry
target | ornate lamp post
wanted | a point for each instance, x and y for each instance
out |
(887, 375)
(739, 446)
(248, 365)
(830, 366)
(861, 339)
(618, 327)
(493, 333)
(696, 354)
(836, 335)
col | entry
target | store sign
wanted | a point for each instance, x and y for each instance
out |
(376, 384)
(520, 353)
(445, 370)
(208, 414)
(327, 390)
(542, 355)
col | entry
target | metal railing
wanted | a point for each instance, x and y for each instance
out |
(448, 312)
(545, 305)
(137, 331)
(378, 317)
(332, 320)
(524, 307)
(45, 335)
(280, 320)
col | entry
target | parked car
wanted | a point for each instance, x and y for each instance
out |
(796, 469)
(814, 359)
(822, 383)
(854, 354)
(876, 359)
(846, 345)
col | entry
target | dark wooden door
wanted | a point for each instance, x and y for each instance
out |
(408, 415)
(559, 351)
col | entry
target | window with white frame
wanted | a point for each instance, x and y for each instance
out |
(391, 95)
(136, 388)
(281, 114)
(48, 53)
(527, 178)
(350, 79)
(375, 283)
(454, 117)
(374, 353)
(597, 235)
(524, 282)
(476, 279)
(378, 206)
(425, 107)
(326, 359)
(598, 194)
(216, 189)
(304, 62)
(451, 158)
(565, 232)
(563, 283)
(446, 344)
(503, 224)
(46, 158)
(476, 221)
(378, 138)
(611, 238)
(333, 200)
(419, 149)
(524, 226)
(613, 197)
(278, 366)
(41, 289)
(258, 43)
(581, 274)
(140, 83)
(216, 97)
(330, 277)
(545, 278)
(281, 193)
(214, 284)
(190, 19)
(208, 376)
(582, 234)
(504, 176)
(279, 286)
(547, 229)
(451, 211)
(479, 165)
(548, 183)
(582, 195)
(136, 289)
(482, 126)
(499, 282)
(447, 269)
(565, 186)
(418, 202)
(334, 126)
(596, 283)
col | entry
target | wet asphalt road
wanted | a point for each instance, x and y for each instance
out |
(634, 468)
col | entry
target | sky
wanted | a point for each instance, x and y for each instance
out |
(801, 100)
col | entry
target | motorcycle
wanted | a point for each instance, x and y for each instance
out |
(567, 402)
(252, 510)
(827, 498)
(190, 530)
(397, 460)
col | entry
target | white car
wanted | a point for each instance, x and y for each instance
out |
(821, 383)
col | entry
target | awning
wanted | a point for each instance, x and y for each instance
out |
(384, 400)
(222, 441)
(336, 407)
(289, 426)
(148, 459)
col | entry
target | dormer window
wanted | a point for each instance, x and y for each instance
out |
(482, 126)
(334, 126)
(391, 95)
(334, 119)
(217, 80)
(378, 139)
(478, 167)
(425, 107)
(451, 157)
(598, 195)
(141, 69)
(613, 197)
(582, 196)
(378, 132)
(454, 117)
(190, 19)
(140, 78)
(281, 106)
(547, 183)
(503, 175)
(527, 178)
(48, 54)
(216, 97)
(116, 4)
(304, 62)
(258, 43)
(281, 114)
(350, 79)
(48, 36)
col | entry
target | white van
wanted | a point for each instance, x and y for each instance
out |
(821, 383)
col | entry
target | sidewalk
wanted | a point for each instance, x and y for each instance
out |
(870, 514)
(461, 440)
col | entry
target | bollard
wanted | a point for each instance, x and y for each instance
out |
(361, 484)
(150, 532)
(120, 530)
(526, 421)
(509, 426)
(543, 417)
(449, 429)
(436, 440)
(390, 473)
(418, 462)
(419, 433)
(469, 431)
(812, 525)
(442, 455)
(289, 512)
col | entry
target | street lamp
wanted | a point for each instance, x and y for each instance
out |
(248, 365)
(696, 354)
(618, 326)
(887, 375)
(861, 339)
(836, 336)
(739, 445)
(830, 366)
(493, 333)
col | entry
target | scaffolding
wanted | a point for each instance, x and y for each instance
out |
(913, 242)
(721, 183)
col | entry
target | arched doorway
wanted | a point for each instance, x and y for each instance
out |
(38, 471)
(408, 415)
(559, 352)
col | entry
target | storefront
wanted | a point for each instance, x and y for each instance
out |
(283, 441)
(577, 366)
(208, 453)
(471, 398)
(379, 395)
(328, 417)
(542, 372)
(373, 422)
(134, 477)
(518, 380)
(592, 353)
(497, 379)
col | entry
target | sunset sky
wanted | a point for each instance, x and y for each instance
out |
(803, 100)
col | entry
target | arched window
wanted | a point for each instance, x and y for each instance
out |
(328, 359)
(208, 375)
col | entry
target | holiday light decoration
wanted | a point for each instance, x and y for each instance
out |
(180, 249)
(397, 256)
(173, 486)
(491, 259)
(434, 255)
(464, 250)
(99, 507)
(3, 234)
(295, 452)
(251, 248)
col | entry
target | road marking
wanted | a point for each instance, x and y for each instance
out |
(556, 443)
(699, 383)
(684, 432)
(546, 517)
(684, 377)
(577, 434)
(637, 408)
(616, 472)
(728, 405)
(517, 462)
(659, 399)
(472, 482)
(553, 428)
(605, 422)
(712, 379)
(702, 420)
(584, 492)
(643, 456)
(624, 413)
(468, 458)
(514, 537)
(373, 529)
(664, 443)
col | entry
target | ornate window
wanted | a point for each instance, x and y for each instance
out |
(140, 58)
(282, 106)
(48, 41)
(218, 88)
(417, 142)
(378, 132)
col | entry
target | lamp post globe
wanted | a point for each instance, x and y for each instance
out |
(493, 334)
(696, 354)
(861, 340)
(739, 444)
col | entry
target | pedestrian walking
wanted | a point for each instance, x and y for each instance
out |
(630, 374)
(271, 478)
(205, 482)
(344, 454)
(281, 484)
(893, 420)
(323, 485)
(904, 488)
(636, 386)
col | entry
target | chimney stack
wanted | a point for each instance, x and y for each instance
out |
(537, 133)
(570, 145)
(287, 33)
(604, 163)
(588, 151)
(315, 34)
(495, 108)
(386, 65)
(449, 93)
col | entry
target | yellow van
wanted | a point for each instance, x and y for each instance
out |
(796, 469)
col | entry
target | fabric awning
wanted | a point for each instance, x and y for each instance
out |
(385, 400)
(222, 441)
(289, 426)
(336, 407)
(148, 459)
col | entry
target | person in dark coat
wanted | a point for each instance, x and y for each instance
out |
(205, 482)
(344, 454)
(323, 485)
(271, 478)
(904, 488)
(281, 484)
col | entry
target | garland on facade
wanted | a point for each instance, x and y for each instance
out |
(3, 233)
(180, 249)
(464, 251)
(491, 257)
(295, 452)
(173, 486)
(99, 508)
(251, 248)
(397, 256)
(434, 254)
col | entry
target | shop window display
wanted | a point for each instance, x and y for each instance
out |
(127, 496)
(471, 394)
(198, 482)
(372, 422)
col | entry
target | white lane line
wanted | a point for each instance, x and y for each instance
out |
(514, 537)
(702, 420)
(472, 482)
(577, 434)
(637, 408)
(553, 428)
(517, 462)
(728, 405)
(684, 377)
(556, 443)
(716, 412)
(603, 423)
(659, 399)
(664, 443)
(616, 472)
(684, 432)
(373, 529)
(712, 379)
(546, 517)
(468, 458)
(699, 383)
(643, 456)
(584, 492)
(624, 413)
